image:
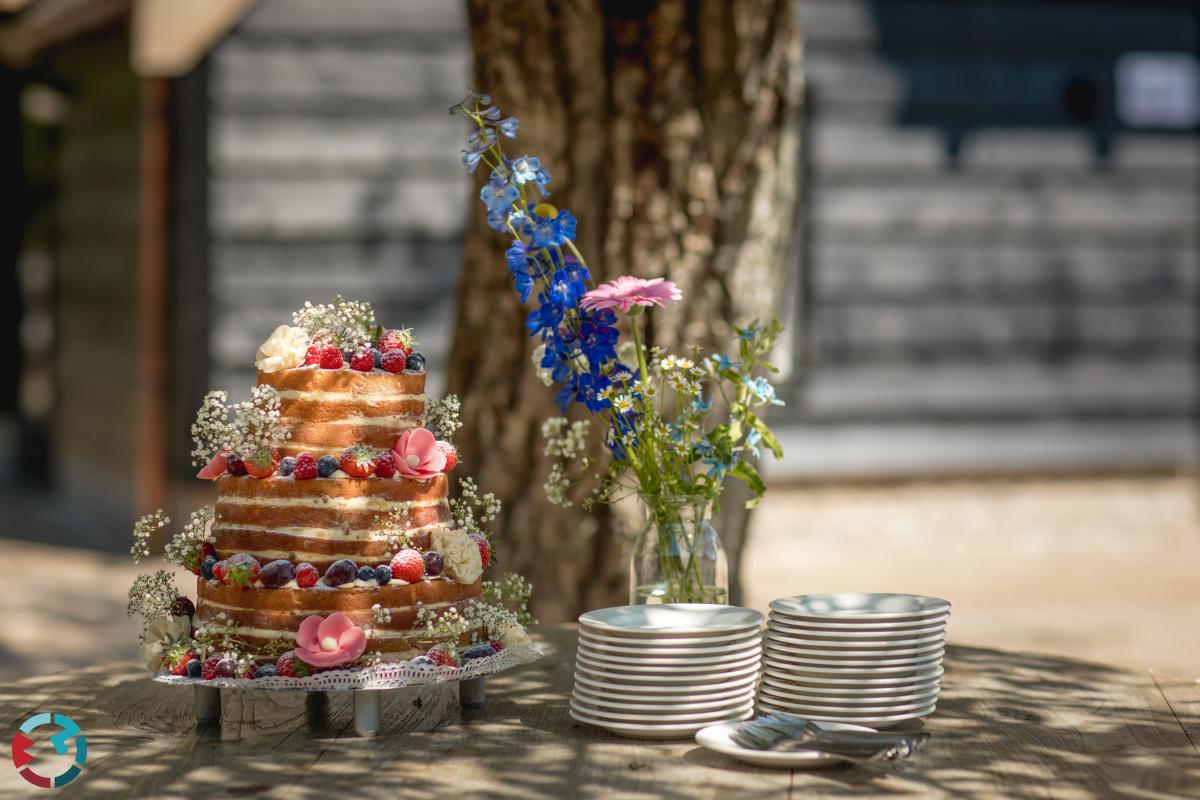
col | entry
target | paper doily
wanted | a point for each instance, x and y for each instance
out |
(389, 675)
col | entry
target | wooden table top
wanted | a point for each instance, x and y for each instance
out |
(1007, 725)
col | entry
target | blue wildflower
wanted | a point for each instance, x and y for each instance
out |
(508, 127)
(550, 231)
(499, 196)
(525, 169)
(746, 334)
(471, 160)
(701, 405)
(542, 179)
(498, 220)
(763, 390)
(752, 440)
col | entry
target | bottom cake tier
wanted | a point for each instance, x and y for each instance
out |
(266, 620)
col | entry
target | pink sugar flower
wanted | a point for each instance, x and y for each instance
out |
(627, 291)
(214, 468)
(329, 641)
(418, 456)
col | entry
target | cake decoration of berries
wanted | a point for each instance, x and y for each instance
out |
(434, 564)
(312, 356)
(341, 572)
(359, 461)
(285, 466)
(327, 465)
(485, 547)
(220, 571)
(331, 357)
(235, 465)
(415, 362)
(383, 574)
(288, 666)
(305, 468)
(385, 464)
(263, 463)
(362, 361)
(393, 361)
(450, 453)
(277, 574)
(243, 570)
(440, 655)
(183, 607)
(408, 566)
(401, 340)
(209, 670)
(307, 575)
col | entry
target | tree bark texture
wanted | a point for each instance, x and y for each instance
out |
(669, 129)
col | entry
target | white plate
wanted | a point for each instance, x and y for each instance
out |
(874, 722)
(710, 645)
(718, 699)
(661, 718)
(843, 652)
(850, 691)
(851, 674)
(835, 628)
(817, 702)
(616, 659)
(716, 688)
(717, 738)
(858, 606)
(787, 660)
(805, 640)
(646, 731)
(673, 619)
(641, 668)
(691, 679)
(619, 702)
(862, 681)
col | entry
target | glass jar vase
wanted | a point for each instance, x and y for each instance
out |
(678, 556)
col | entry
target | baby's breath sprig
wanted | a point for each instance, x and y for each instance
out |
(393, 529)
(212, 431)
(442, 416)
(185, 547)
(143, 530)
(511, 593)
(345, 323)
(152, 595)
(471, 511)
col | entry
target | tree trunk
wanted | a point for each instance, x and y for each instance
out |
(669, 131)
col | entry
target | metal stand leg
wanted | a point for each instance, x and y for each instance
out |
(208, 704)
(366, 712)
(472, 693)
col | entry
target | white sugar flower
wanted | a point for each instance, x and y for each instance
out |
(283, 349)
(162, 634)
(460, 554)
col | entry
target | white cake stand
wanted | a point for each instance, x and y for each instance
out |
(367, 684)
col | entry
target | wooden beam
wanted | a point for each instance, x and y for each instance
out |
(153, 367)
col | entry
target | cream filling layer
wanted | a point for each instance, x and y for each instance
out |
(352, 535)
(385, 421)
(365, 397)
(325, 501)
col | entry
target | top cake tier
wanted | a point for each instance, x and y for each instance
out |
(330, 410)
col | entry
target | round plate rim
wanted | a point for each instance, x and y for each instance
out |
(930, 606)
(722, 658)
(593, 619)
(627, 678)
(688, 647)
(866, 664)
(821, 623)
(740, 708)
(803, 758)
(698, 669)
(666, 708)
(666, 689)
(669, 730)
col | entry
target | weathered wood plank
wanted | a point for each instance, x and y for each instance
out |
(355, 18)
(319, 72)
(846, 272)
(357, 208)
(966, 390)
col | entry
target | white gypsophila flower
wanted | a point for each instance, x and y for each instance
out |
(211, 432)
(152, 595)
(545, 375)
(143, 530)
(184, 547)
(442, 416)
(284, 349)
(556, 486)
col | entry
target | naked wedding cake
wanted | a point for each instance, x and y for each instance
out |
(333, 542)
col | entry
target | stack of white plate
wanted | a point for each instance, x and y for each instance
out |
(666, 671)
(867, 659)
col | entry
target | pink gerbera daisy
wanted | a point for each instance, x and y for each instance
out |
(627, 291)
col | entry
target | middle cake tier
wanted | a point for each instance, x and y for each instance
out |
(326, 519)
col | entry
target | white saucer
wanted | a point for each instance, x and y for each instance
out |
(711, 645)
(847, 652)
(664, 718)
(851, 628)
(863, 663)
(646, 731)
(861, 681)
(717, 676)
(714, 688)
(673, 619)
(861, 606)
(846, 691)
(615, 659)
(653, 704)
(815, 704)
(781, 669)
(717, 738)
(642, 668)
